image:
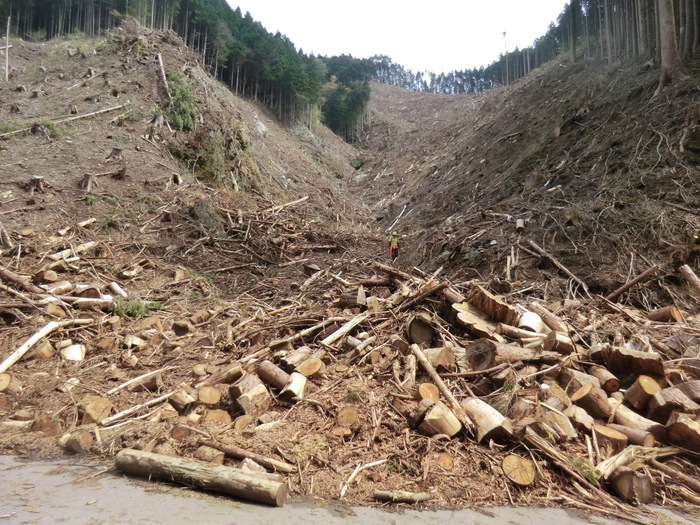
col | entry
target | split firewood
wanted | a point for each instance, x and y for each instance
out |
(79, 441)
(95, 409)
(641, 391)
(579, 417)
(443, 359)
(490, 423)
(49, 426)
(345, 329)
(209, 455)
(519, 470)
(593, 400)
(561, 424)
(219, 478)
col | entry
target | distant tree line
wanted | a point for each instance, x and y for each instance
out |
(606, 30)
(240, 52)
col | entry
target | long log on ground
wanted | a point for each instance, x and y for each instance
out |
(344, 330)
(559, 265)
(689, 275)
(484, 353)
(622, 289)
(454, 404)
(240, 453)
(10, 276)
(623, 415)
(228, 480)
(422, 296)
(46, 330)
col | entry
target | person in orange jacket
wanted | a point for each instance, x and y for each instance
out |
(394, 248)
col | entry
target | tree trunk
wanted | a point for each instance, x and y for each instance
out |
(573, 5)
(670, 62)
(227, 480)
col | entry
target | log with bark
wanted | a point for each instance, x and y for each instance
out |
(493, 307)
(593, 400)
(251, 395)
(484, 353)
(468, 317)
(669, 400)
(623, 360)
(218, 478)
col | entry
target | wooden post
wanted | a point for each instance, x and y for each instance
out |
(228, 480)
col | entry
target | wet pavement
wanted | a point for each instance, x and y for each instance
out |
(70, 492)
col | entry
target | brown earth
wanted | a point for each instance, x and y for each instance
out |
(582, 153)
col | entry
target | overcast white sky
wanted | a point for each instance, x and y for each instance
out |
(431, 35)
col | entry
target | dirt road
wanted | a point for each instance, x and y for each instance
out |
(66, 491)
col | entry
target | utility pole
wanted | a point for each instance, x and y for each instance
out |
(505, 43)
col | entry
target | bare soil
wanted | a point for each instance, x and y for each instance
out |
(581, 152)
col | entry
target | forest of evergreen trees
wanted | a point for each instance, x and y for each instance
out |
(267, 67)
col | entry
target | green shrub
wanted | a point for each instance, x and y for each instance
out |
(182, 112)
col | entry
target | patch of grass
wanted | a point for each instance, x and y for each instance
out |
(394, 467)
(353, 397)
(584, 467)
(90, 199)
(134, 308)
(123, 141)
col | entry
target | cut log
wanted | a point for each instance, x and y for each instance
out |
(690, 389)
(427, 391)
(531, 322)
(79, 442)
(571, 380)
(519, 470)
(230, 481)
(622, 360)
(490, 423)
(608, 381)
(635, 436)
(209, 395)
(667, 314)
(209, 455)
(443, 359)
(610, 441)
(182, 398)
(227, 375)
(239, 453)
(440, 420)
(272, 374)
(633, 486)
(420, 330)
(561, 424)
(669, 400)
(217, 415)
(96, 409)
(483, 354)
(312, 368)
(559, 343)
(579, 417)
(593, 400)
(47, 425)
(294, 358)
(244, 421)
(347, 417)
(251, 395)
(9, 384)
(641, 391)
(684, 431)
(294, 389)
(629, 418)
(551, 320)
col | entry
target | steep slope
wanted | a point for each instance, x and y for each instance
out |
(602, 174)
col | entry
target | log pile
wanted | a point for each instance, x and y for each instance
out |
(396, 373)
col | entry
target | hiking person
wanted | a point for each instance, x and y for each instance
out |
(394, 249)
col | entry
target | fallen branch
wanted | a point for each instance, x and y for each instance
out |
(279, 207)
(355, 472)
(108, 420)
(400, 496)
(240, 453)
(36, 337)
(689, 275)
(559, 265)
(622, 289)
(679, 476)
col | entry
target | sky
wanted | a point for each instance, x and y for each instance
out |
(432, 35)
